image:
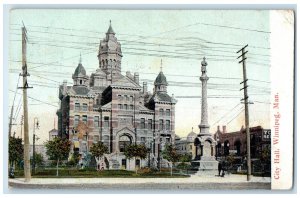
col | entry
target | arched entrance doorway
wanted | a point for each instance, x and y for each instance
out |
(219, 150)
(124, 141)
(197, 145)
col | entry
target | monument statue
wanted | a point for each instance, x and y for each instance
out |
(204, 142)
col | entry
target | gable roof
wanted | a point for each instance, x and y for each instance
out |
(80, 90)
(162, 97)
(106, 106)
(125, 82)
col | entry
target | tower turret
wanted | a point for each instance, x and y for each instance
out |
(110, 54)
(79, 77)
(160, 83)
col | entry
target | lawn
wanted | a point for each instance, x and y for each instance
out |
(92, 173)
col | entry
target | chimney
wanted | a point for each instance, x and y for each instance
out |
(145, 87)
(224, 129)
(136, 77)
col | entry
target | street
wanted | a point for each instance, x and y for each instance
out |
(231, 182)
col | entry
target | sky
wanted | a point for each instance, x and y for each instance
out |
(180, 38)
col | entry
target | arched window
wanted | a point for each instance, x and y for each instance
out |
(115, 63)
(124, 141)
(237, 147)
(81, 82)
(218, 152)
(226, 148)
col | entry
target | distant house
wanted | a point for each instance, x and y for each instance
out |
(52, 134)
(185, 145)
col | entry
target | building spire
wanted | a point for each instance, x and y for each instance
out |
(110, 30)
(160, 65)
(80, 59)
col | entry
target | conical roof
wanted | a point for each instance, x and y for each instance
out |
(80, 70)
(110, 30)
(161, 79)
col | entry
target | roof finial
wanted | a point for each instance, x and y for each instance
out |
(160, 65)
(110, 30)
(80, 59)
(192, 129)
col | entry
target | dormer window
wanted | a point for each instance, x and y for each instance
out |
(80, 82)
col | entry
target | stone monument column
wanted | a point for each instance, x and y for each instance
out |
(204, 126)
(207, 162)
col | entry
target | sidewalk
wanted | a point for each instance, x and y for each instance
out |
(194, 182)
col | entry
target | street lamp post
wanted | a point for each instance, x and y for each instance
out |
(35, 126)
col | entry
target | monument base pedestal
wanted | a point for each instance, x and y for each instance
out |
(207, 168)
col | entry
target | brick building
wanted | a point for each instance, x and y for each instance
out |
(113, 108)
(235, 142)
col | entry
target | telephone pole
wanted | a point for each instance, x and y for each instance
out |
(22, 117)
(25, 86)
(245, 88)
(35, 126)
(10, 121)
(12, 111)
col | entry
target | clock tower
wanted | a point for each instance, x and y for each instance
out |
(110, 55)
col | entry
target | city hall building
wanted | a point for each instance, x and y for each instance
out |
(115, 109)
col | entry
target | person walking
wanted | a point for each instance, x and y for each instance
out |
(223, 168)
(219, 168)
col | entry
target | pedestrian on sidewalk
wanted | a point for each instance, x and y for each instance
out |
(219, 168)
(223, 169)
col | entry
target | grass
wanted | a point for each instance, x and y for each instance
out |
(92, 173)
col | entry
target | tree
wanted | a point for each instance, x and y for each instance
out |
(15, 151)
(170, 154)
(58, 149)
(140, 152)
(185, 160)
(98, 150)
(39, 159)
(136, 151)
(266, 155)
(129, 152)
(265, 159)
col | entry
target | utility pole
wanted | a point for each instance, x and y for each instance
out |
(35, 126)
(245, 88)
(25, 86)
(10, 121)
(22, 117)
(12, 111)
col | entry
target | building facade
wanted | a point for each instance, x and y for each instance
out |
(236, 142)
(115, 109)
(185, 145)
(52, 134)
